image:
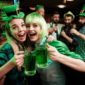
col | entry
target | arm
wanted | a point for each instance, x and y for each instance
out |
(66, 37)
(17, 60)
(6, 68)
(76, 64)
(74, 31)
(2, 80)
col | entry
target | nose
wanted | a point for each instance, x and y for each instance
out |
(20, 28)
(67, 21)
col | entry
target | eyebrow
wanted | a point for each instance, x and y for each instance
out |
(15, 24)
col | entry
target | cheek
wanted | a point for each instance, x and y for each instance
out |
(39, 32)
(14, 33)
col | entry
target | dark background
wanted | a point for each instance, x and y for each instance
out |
(50, 6)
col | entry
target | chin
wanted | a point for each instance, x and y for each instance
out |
(33, 39)
(22, 40)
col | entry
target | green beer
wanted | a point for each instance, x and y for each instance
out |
(29, 64)
(41, 57)
(41, 54)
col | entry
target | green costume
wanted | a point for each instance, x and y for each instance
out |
(14, 77)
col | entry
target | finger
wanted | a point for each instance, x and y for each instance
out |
(19, 52)
(20, 63)
(17, 57)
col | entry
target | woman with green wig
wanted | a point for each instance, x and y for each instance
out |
(10, 54)
(57, 52)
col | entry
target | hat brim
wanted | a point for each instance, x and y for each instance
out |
(82, 14)
(70, 15)
(18, 16)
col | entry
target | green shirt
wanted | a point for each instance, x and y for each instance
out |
(13, 77)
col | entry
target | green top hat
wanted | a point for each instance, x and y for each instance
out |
(39, 7)
(82, 12)
(10, 12)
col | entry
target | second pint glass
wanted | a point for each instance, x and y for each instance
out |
(30, 64)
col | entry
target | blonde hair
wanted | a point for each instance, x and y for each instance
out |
(38, 19)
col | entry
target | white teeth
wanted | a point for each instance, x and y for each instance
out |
(32, 33)
(21, 34)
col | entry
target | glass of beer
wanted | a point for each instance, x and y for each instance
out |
(30, 64)
(41, 57)
(41, 54)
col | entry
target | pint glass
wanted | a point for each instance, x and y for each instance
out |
(41, 57)
(41, 54)
(30, 64)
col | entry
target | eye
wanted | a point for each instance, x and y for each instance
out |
(23, 25)
(35, 25)
(14, 27)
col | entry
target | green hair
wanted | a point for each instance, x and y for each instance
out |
(37, 18)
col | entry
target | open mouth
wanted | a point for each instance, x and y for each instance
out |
(21, 35)
(33, 33)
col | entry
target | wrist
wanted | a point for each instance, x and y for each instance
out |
(60, 57)
(13, 61)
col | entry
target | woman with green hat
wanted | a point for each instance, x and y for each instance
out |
(10, 53)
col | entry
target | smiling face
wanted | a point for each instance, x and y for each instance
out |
(34, 32)
(18, 29)
(36, 26)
